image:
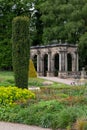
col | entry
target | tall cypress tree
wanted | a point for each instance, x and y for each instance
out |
(20, 49)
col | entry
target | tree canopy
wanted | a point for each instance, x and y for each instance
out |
(8, 10)
(63, 19)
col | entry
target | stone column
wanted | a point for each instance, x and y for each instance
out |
(66, 61)
(77, 62)
(49, 64)
(52, 67)
(38, 64)
(73, 65)
(62, 64)
(74, 62)
(42, 66)
(60, 61)
(49, 61)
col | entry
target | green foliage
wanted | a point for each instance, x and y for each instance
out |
(6, 78)
(5, 55)
(36, 82)
(83, 50)
(9, 10)
(45, 114)
(64, 119)
(8, 82)
(63, 18)
(32, 72)
(20, 50)
(13, 95)
(5, 35)
(54, 106)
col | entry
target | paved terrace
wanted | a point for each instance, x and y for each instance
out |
(56, 79)
(15, 126)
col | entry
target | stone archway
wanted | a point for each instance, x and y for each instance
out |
(56, 57)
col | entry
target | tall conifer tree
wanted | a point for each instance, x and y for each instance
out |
(20, 49)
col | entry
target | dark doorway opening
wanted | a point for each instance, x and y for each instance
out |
(69, 60)
(56, 64)
(45, 64)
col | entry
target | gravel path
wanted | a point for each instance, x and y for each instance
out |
(56, 79)
(15, 126)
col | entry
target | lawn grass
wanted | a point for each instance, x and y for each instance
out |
(7, 78)
(6, 74)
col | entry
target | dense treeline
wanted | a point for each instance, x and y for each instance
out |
(65, 20)
(50, 20)
(62, 19)
(8, 10)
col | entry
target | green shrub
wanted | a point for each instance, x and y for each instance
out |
(20, 50)
(65, 118)
(8, 113)
(46, 121)
(40, 114)
(51, 114)
(68, 115)
(7, 82)
(13, 95)
(35, 82)
(32, 71)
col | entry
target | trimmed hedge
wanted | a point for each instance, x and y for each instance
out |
(20, 50)
(32, 71)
